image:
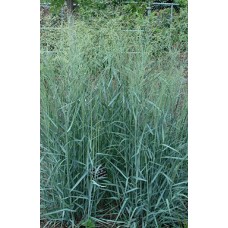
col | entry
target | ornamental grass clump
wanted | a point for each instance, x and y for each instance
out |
(113, 128)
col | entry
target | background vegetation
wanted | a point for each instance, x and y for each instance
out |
(94, 5)
(114, 98)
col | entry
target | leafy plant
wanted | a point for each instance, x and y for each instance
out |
(56, 5)
(182, 3)
(114, 97)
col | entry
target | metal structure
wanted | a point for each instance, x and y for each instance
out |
(152, 6)
(171, 5)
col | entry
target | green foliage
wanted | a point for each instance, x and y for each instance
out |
(180, 29)
(135, 9)
(89, 224)
(186, 224)
(56, 5)
(97, 7)
(117, 98)
(182, 3)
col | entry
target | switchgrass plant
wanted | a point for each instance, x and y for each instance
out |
(108, 101)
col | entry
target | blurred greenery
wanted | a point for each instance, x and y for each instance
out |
(131, 6)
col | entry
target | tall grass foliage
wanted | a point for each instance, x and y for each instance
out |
(109, 100)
